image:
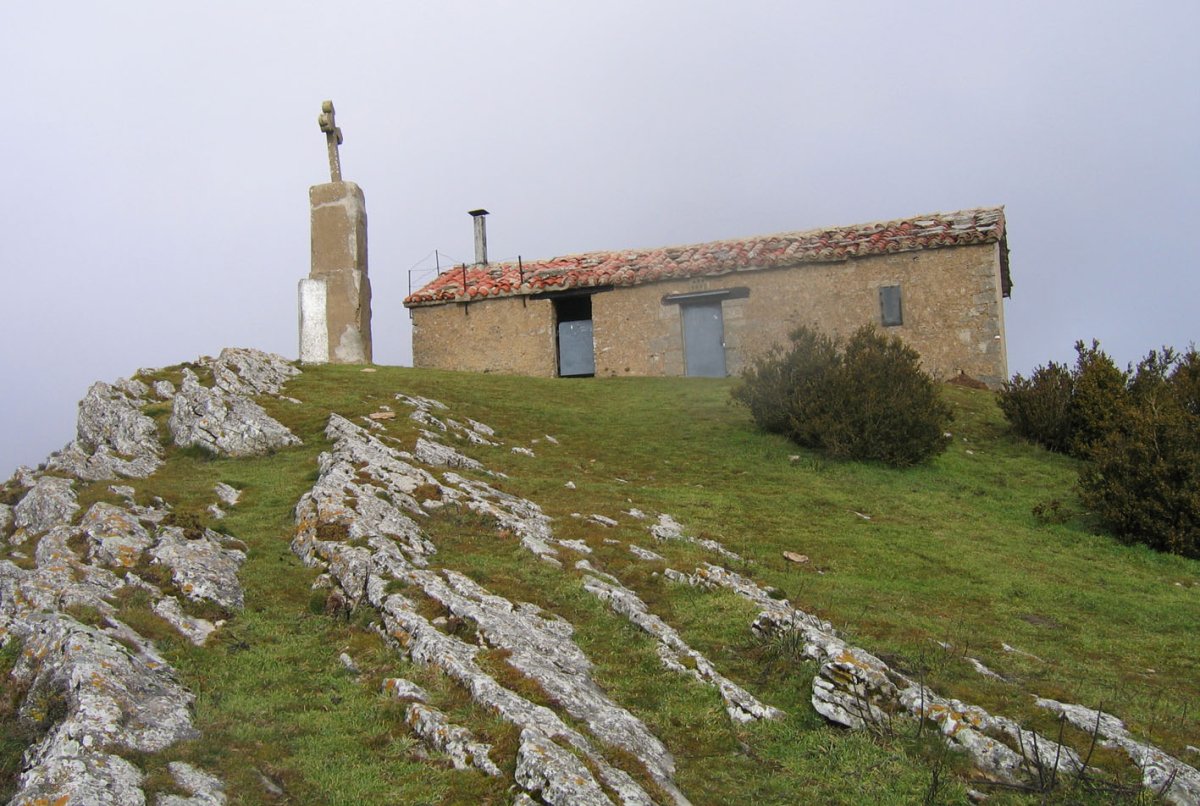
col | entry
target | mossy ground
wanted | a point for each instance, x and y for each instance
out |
(899, 559)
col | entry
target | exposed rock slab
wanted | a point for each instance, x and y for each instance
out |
(345, 505)
(515, 514)
(536, 644)
(668, 528)
(540, 646)
(50, 502)
(229, 496)
(422, 403)
(116, 693)
(740, 704)
(224, 422)
(1178, 782)
(553, 774)
(645, 554)
(854, 688)
(204, 789)
(403, 689)
(116, 538)
(455, 741)
(61, 580)
(113, 699)
(475, 432)
(196, 630)
(247, 372)
(439, 455)
(427, 645)
(202, 568)
(68, 773)
(113, 437)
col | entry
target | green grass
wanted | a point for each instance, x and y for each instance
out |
(951, 552)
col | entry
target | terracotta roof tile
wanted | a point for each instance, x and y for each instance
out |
(637, 266)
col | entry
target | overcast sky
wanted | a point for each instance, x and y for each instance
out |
(157, 157)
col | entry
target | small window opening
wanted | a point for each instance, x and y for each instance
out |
(889, 306)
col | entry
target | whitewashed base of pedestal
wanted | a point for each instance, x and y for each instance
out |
(314, 332)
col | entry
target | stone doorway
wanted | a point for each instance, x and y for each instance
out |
(575, 347)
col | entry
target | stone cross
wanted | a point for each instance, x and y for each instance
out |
(333, 138)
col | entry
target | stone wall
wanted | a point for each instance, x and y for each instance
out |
(951, 302)
(513, 336)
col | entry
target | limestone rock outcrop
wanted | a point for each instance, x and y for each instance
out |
(536, 644)
(248, 373)
(551, 773)
(1176, 782)
(51, 501)
(740, 704)
(201, 567)
(114, 437)
(224, 422)
(458, 743)
(854, 688)
(101, 690)
(116, 538)
(204, 788)
(196, 630)
(668, 528)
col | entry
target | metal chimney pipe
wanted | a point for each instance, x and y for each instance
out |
(480, 236)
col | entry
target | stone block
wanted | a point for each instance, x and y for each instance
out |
(335, 300)
(314, 333)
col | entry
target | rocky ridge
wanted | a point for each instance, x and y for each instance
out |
(343, 505)
(98, 689)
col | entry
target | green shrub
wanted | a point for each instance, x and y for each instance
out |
(768, 386)
(1066, 410)
(865, 399)
(1039, 407)
(1099, 396)
(1142, 474)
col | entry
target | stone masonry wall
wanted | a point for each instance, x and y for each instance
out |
(951, 300)
(501, 335)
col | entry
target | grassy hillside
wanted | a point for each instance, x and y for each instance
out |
(899, 560)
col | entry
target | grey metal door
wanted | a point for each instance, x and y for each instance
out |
(704, 339)
(576, 354)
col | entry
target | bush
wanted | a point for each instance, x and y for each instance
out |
(1039, 408)
(768, 387)
(1142, 474)
(866, 399)
(1066, 410)
(1099, 396)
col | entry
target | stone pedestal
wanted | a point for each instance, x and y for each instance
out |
(335, 298)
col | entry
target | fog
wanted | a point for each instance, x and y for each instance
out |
(159, 157)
